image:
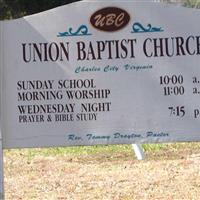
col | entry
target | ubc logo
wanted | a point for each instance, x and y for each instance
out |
(110, 19)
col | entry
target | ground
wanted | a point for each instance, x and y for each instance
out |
(166, 174)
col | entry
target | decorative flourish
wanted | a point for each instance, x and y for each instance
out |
(139, 28)
(81, 31)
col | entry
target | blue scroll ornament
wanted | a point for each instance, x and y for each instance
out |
(139, 28)
(81, 31)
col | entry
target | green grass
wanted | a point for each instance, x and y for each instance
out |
(76, 151)
(173, 146)
(109, 149)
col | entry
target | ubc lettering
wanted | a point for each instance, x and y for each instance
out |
(110, 19)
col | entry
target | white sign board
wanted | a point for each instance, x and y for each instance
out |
(101, 73)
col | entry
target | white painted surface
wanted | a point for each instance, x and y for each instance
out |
(1, 143)
(139, 112)
(138, 151)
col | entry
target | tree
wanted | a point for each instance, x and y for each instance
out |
(10, 9)
(192, 3)
(187, 3)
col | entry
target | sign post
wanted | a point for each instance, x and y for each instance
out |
(138, 151)
(1, 170)
(1, 97)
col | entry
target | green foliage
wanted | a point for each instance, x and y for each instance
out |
(192, 3)
(17, 8)
(187, 3)
(10, 9)
(4, 11)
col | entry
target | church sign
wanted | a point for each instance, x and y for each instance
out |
(101, 73)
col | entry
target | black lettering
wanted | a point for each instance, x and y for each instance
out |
(145, 48)
(81, 51)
